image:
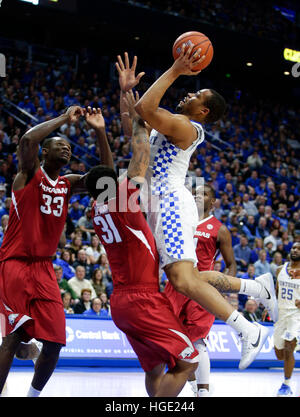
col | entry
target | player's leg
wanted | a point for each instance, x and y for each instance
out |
(8, 348)
(261, 288)
(153, 379)
(289, 358)
(203, 369)
(174, 380)
(44, 367)
(185, 279)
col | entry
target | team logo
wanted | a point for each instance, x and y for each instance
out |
(69, 334)
(186, 353)
(12, 318)
(210, 226)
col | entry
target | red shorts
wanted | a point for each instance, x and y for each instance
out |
(155, 334)
(30, 297)
(196, 321)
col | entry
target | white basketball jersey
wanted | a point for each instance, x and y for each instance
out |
(288, 290)
(169, 164)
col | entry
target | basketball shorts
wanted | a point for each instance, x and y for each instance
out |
(173, 222)
(30, 297)
(286, 328)
(196, 321)
(155, 334)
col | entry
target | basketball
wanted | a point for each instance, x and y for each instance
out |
(200, 41)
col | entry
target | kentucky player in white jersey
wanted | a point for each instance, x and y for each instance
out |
(287, 327)
(172, 214)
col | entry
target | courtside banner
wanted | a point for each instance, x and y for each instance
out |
(96, 338)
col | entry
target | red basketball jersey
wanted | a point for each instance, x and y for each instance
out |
(127, 238)
(207, 243)
(36, 219)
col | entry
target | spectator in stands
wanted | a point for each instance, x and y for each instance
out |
(251, 311)
(249, 205)
(66, 299)
(76, 210)
(78, 282)
(65, 261)
(62, 282)
(84, 301)
(94, 250)
(242, 253)
(105, 303)
(261, 229)
(254, 161)
(276, 262)
(96, 309)
(97, 282)
(82, 259)
(75, 246)
(5, 209)
(261, 265)
(106, 272)
(85, 224)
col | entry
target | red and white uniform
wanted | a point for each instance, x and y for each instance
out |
(196, 320)
(28, 286)
(138, 308)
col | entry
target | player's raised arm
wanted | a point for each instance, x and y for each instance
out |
(176, 127)
(29, 144)
(127, 80)
(96, 121)
(140, 141)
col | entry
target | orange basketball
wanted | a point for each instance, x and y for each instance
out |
(200, 41)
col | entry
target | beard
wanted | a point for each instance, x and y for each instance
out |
(179, 108)
(295, 258)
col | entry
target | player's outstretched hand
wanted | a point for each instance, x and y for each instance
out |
(130, 101)
(73, 113)
(94, 118)
(186, 61)
(127, 77)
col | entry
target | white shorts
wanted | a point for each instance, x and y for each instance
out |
(286, 328)
(173, 223)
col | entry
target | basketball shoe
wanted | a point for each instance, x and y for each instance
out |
(252, 342)
(284, 391)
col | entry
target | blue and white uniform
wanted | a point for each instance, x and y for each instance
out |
(288, 325)
(171, 210)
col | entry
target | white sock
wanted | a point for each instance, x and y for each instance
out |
(252, 288)
(193, 385)
(238, 322)
(287, 381)
(33, 392)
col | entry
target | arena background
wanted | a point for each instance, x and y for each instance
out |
(88, 35)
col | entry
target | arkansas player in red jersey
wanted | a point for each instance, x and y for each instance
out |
(30, 301)
(210, 238)
(137, 307)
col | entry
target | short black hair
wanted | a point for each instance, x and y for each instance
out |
(47, 143)
(217, 106)
(211, 189)
(100, 171)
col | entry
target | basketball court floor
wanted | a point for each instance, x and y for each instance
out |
(129, 382)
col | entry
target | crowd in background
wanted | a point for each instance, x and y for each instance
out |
(249, 157)
(254, 18)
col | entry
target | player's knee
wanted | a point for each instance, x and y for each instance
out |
(51, 349)
(180, 275)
